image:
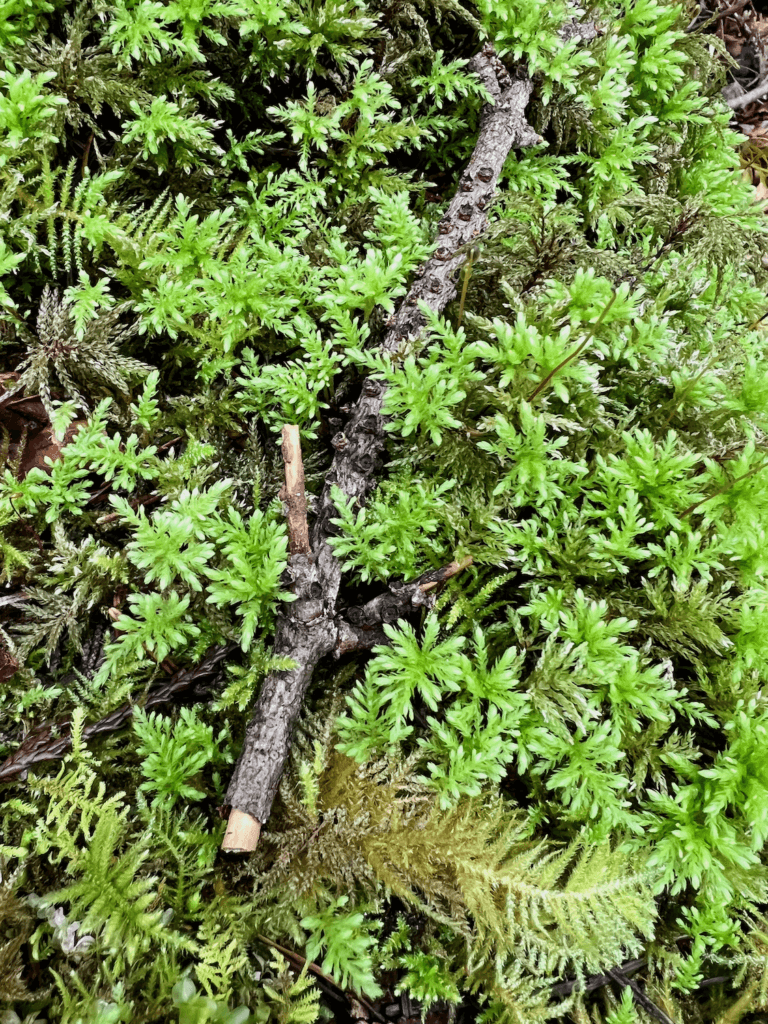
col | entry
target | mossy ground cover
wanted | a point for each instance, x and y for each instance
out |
(208, 211)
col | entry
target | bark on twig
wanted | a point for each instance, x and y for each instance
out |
(359, 631)
(244, 828)
(305, 629)
(244, 824)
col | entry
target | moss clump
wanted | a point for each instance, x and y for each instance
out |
(207, 212)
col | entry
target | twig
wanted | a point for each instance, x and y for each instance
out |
(360, 630)
(436, 576)
(304, 631)
(243, 829)
(733, 9)
(714, 18)
(41, 745)
(640, 997)
(720, 980)
(293, 492)
(300, 960)
(749, 97)
(564, 988)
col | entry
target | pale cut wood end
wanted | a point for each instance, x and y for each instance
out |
(293, 493)
(242, 835)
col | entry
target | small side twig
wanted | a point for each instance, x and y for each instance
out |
(293, 493)
(361, 629)
(697, 25)
(564, 988)
(298, 960)
(640, 997)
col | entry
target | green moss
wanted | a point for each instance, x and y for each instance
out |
(207, 212)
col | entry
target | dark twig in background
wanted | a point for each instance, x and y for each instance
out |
(640, 997)
(51, 741)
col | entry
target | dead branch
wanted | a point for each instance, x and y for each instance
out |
(739, 102)
(640, 997)
(564, 988)
(52, 740)
(299, 961)
(305, 628)
(360, 630)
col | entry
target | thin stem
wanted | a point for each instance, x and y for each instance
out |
(577, 351)
(724, 490)
(733, 9)
(300, 960)
(473, 253)
(707, 366)
(640, 997)
(86, 151)
(28, 527)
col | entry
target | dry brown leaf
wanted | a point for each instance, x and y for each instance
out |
(45, 445)
(761, 196)
(27, 424)
(8, 665)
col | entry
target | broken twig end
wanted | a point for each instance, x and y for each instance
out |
(242, 835)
